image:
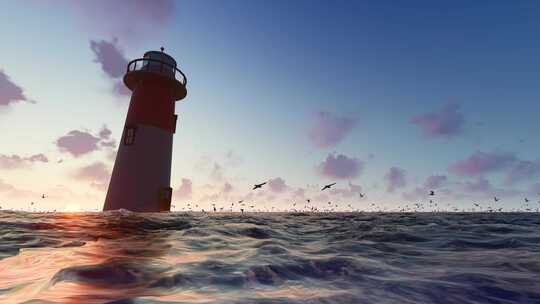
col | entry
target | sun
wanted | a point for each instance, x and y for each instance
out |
(72, 208)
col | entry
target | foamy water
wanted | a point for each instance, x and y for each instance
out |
(123, 257)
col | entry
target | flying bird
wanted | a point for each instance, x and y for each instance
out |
(257, 186)
(496, 199)
(327, 186)
(431, 192)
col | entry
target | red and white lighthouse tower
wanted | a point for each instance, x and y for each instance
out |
(141, 176)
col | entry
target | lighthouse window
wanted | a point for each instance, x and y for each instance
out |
(129, 136)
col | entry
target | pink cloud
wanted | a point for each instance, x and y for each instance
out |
(435, 181)
(352, 191)
(15, 161)
(110, 57)
(9, 91)
(130, 20)
(481, 162)
(446, 123)
(479, 184)
(78, 143)
(340, 167)
(395, 178)
(185, 189)
(227, 188)
(328, 129)
(105, 133)
(534, 188)
(97, 173)
(277, 185)
(522, 170)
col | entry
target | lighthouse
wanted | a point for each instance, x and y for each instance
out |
(141, 175)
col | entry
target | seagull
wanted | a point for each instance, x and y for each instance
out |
(257, 186)
(327, 186)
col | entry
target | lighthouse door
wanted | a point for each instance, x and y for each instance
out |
(165, 199)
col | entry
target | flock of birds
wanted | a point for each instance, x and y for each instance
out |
(308, 206)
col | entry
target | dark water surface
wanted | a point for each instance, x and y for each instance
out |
(123, 257)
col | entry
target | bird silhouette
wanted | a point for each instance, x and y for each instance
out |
(257, 186)
(327, 186)
(43, 196)
(526, 200)
(431, 192)
(361, 195)
(496, 199)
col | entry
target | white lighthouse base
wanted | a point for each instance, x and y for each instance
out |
(141, 176)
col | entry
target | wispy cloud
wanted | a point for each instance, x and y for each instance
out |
(185, 190)
(9, 91)
(127, 19)
(113, 63)
(481, 162)
(15, 161)
(446, 123)
(78, 143)
(328, 129)
(395, 178)
(340, 167)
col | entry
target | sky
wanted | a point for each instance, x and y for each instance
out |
(389, 99)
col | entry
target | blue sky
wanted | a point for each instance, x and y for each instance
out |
(260, 73)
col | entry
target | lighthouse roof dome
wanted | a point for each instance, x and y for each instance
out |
(161, 56)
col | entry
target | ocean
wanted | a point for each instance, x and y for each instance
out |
(124, 257)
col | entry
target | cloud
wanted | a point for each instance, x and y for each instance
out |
(435, 181)
(227, 188)
(217, 172)
(340, 167)
(351, 191)
(185, 190)
(479, 184)
(481, 162)
(11, 191)
(395, 178)
(105, 133)
(130, 20)
(277, 185)
(432, 182)
(446, 123)
(9, 91)
(113, 63)
(78, 143)
(534, 188)
(327, 129)
(522, 170)
(15, 161)
(97, 172)
(110, 57)
(233, 159)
